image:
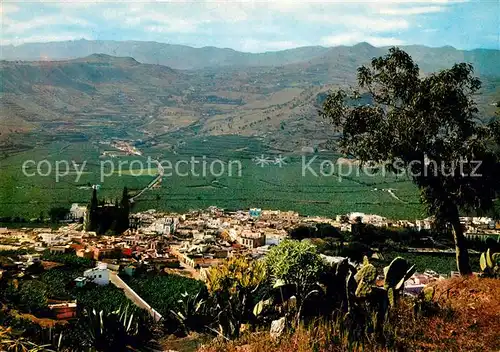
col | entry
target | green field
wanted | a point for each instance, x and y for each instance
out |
(247, 185)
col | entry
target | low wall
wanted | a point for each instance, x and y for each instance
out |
(156, 316)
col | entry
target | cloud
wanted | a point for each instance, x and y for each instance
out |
(7, 8)
(356, 37)
(20, 27)
(361, 22)
(180, 26)
(262, 24)
(410, 11)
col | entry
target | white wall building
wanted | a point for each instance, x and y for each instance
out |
(53, 239)
(275, 237)
(77, 211)
(98, 275)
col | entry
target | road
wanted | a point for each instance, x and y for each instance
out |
(161, 171)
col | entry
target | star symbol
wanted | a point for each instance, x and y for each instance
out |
(280, 160)
(262, 160)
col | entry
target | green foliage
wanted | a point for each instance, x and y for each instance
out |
(107, 298)
(233, 286)
(404, 124)
(297, 267)
(163, 292)
(489, 263)
(58, 213)
(356, 251)
(236, 274)
(320, 230)
(32, 296)
(58, 282)
(438, 262)
(318, 194)
(69, 260)
(193, 313)
(124, 329)
(12, 342)
(296, 263)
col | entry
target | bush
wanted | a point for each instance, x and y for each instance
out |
(163, 292)
(70, 260)
(233, 286)
(296, 263)
(32, 296)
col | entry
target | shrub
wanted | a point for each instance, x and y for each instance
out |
(33, 296)
(296, 263)
(233, 286)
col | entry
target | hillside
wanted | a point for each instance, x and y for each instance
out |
(468, 322)
(106, 96)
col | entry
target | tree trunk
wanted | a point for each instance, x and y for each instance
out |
(462, 253)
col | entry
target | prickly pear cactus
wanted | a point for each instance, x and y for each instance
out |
(397, 273)
(490, 263)
(367, 273)
(363, 289)
(391, 295)
(496, 258)
(350, 287)
(365, 278)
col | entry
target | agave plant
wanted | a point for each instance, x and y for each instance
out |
(192, 312)
(490, 264)
(12, 342)
(120, 330)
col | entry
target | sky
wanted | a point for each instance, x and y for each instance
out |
(257, 25)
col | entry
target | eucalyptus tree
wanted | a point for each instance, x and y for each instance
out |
(428, 126)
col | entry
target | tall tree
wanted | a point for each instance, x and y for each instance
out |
(125, 210)
(427, 125)
(92, 215)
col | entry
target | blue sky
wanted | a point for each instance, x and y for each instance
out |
(257, 26)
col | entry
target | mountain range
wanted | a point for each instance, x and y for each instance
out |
(184, 57)
(135, 89)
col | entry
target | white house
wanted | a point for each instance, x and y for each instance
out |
(52, 239)
(98, 275)
(77, 211)
(275, 237)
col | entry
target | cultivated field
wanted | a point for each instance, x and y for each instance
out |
(240, 182)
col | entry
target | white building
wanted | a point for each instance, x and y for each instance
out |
(98, 275)
(53, 239)
(77, 211)
(275, 237)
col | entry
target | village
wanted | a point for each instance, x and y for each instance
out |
(197, 240)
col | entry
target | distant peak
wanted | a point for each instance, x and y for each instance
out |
(363, 45)
(448, 47)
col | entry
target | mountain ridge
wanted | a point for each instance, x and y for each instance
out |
(185, 57)
(102, 95)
